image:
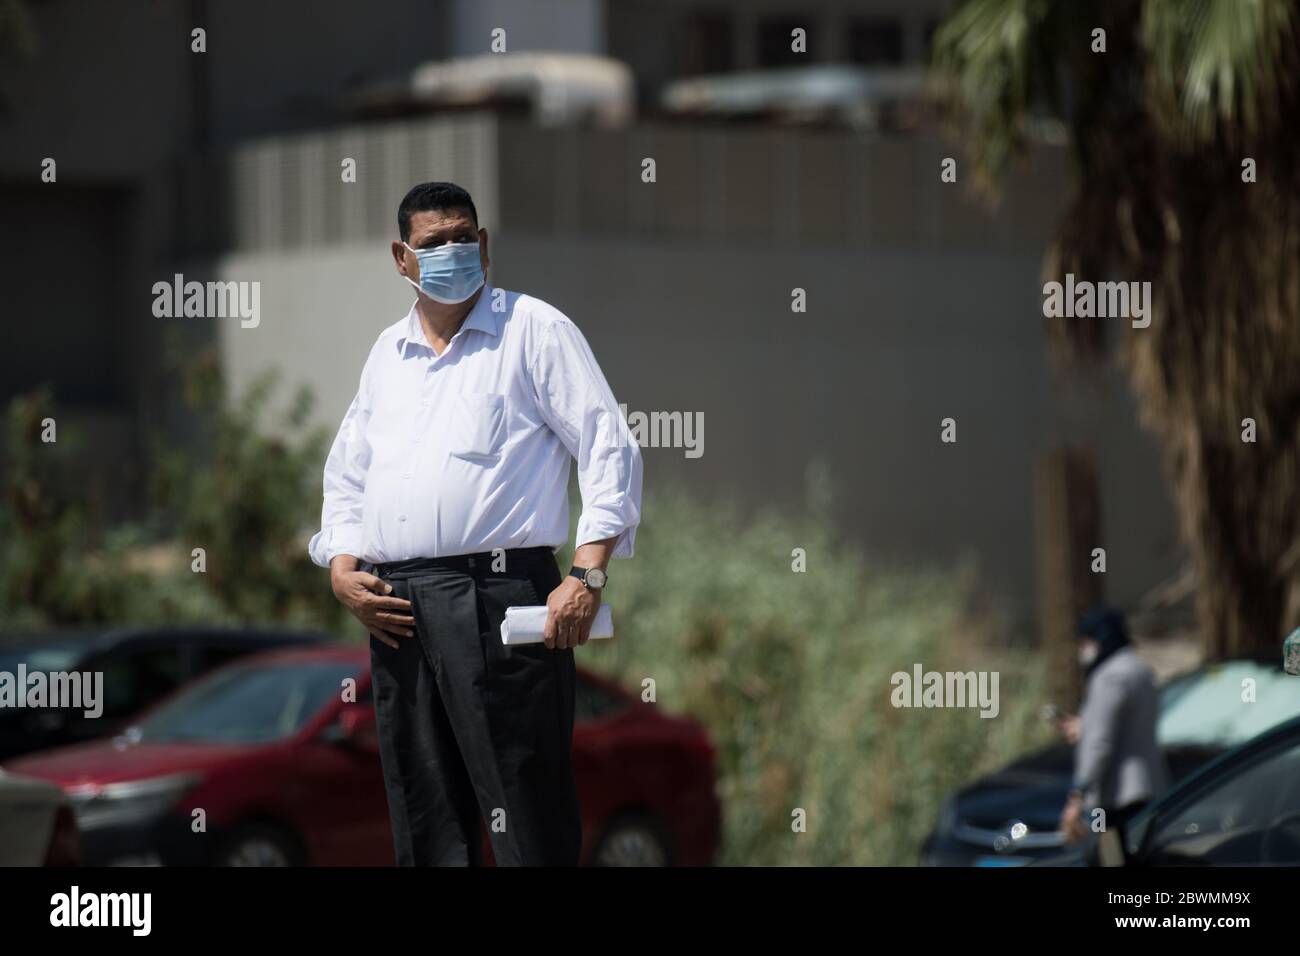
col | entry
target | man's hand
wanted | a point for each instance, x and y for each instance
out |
(570, 610)
(1071, 824)
(1070, 727)
(368, 598)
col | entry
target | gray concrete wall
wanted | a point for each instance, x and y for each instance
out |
(892, 343)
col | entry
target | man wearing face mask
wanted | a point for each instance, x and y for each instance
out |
(1118, 766)
(445, 499)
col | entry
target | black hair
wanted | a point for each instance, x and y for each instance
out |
(432, 197)
(1106, 626)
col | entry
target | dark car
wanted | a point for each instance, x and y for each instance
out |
(1009, 818)
(266, 762)
(1241, 809)
(140, 666)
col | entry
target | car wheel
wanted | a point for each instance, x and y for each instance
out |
(258, 845)
(633, 840)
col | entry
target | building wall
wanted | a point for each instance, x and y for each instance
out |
(892, 344)
(575, 26)
(663, 40)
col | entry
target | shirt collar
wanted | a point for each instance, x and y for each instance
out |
(481, 317)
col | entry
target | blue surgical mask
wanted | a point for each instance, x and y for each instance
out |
(449, 273)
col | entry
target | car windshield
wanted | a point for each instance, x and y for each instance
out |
(44, 656)
(1206, 707)
(247, 703)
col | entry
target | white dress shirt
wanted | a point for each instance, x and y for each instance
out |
(469, 451)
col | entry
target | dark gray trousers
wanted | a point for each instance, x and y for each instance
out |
(473, 733)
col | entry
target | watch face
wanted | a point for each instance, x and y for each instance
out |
(596, 578)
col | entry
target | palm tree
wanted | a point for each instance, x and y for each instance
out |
(1161, 127)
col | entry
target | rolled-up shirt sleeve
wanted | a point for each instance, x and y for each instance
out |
(577, 404)
(345, 482)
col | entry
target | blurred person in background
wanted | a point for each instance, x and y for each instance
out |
(1118, 767)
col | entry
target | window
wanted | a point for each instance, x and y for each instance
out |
(706, 44)
(214, 655)
(1250, 816)
(135, 679)
(775, 40)
(249, 703)
(875, 42)
(1204, 708)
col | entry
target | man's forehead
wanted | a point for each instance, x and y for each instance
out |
(437, 220)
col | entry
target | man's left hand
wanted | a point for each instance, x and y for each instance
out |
(571, 608)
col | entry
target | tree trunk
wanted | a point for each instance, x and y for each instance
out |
(1068, 527)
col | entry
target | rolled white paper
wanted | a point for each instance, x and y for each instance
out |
(526, 625)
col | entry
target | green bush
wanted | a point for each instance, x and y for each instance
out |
(791, 672)
(52, 571)
(249, 505)
(245, 501)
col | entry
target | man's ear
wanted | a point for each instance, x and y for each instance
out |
(399, 256)
(483, 247)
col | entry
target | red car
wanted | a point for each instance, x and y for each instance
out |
(261, 763)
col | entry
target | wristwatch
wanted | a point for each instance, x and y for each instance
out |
(592, 578)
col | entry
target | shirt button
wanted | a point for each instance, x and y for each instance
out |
(406, 474)
(401, 517)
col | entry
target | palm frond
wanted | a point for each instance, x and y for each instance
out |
(1217, 62)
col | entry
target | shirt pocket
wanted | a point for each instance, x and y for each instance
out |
(479, 427)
